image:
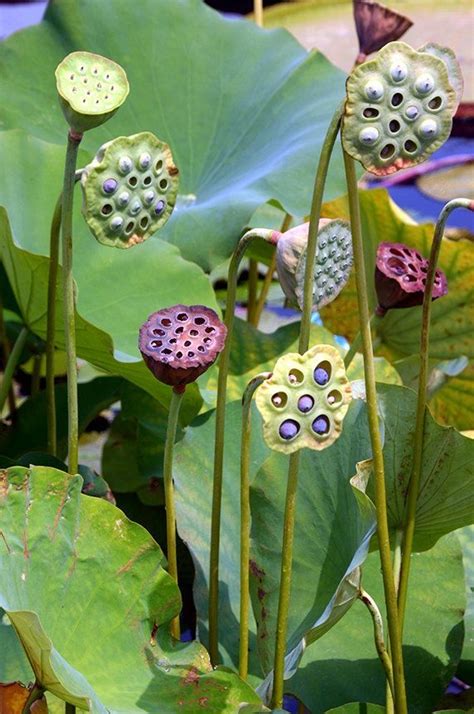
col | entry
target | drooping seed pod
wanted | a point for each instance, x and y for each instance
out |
(400, 277)
(91, 88)
(179, 343)
(304, 402)
(332, 267)
(129, 189)
(377, 25)
(399, 107)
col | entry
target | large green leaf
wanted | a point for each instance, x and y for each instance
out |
(84, 588)
(452, 323)
(244, 110)
(446, 495)
(344, 667)
(14, 665)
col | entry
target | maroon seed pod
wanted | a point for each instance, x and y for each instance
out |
(181, 342)
(400, 277)
(377, 25)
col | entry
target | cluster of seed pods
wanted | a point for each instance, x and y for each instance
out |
(179, 343)
(304, 402)
(129, 189)
(400, 277)
(399, 106)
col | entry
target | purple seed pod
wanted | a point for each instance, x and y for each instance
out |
(377, 25)
(179, 343)
(400, 277)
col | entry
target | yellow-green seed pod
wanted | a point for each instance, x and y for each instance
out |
(129, 189)
(304, 402)
(91, 88)
(399, 108)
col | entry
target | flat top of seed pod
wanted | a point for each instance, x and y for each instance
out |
(408, 267)
(91, 84)
(183, 336)
(399, 109)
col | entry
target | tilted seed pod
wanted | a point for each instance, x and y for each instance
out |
(332, 267)
(129, 189)
(91, 88)
(181, 342)
(400, 277)
(399, 107)
(304, 402)
(377, 25)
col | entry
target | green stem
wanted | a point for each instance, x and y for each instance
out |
(36, 693)
(69, 299)
(376, 442)
(36, 374)
(269, 275)
(11, 366)
(6, 353)
(285, 581)
(414, 484)
(219, 437)
(245, 521)
(176, 398)
(69, 708)
(379, 640)
(252, 291)
(356, 344)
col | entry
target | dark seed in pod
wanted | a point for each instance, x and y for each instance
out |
(109, 185)
(289, 429)
(159, 207)
(321, 377)
(305, 403)
(321, 425)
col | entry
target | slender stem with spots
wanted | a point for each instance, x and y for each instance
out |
(219, 437)
(245, 521)
(69, 299)
(379, 640)
(176, 399)
(376, 441)
(414, 484)
(11, 365)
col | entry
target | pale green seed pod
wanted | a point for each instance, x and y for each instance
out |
(399, 107)
(91, 88)
(129, 189)
(304, 402)
(332, 267)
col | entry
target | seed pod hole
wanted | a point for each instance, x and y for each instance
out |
(397, 265)
(295, 376)
(159, 166)
(190, 354)
(194, 333)
(179, 354)
(106, 209)
(322, 373)
(156, 343)
(187, 343)
(172, 341)
(179, 330)
(410, 146)
(182, 316)
(130, 227)
(165, 351)
(144, 222)
(201, 348)
(394, 126)
(132, 181)
(163, 184)
(147, 180)
(199, 320)
(289, 429)
(279, 400)
(158, 331)
(209, 329)
(305, 403)
(397, 99)
(166, 322)
(435, 103)
(320, 425)
(387, 151)
(409, 278)
(207, 340)
(371, 113)
(334, 398)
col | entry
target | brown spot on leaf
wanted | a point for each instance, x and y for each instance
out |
(261, 593)
(203, 701)
(192, 677)
(255, 570)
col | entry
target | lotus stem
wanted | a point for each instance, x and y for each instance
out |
(245, 521)
(36, 374)
(379, 640)
(6, 353)
(69, 298)
(219, 437)
(176, 399)
(414, 484)
(252, 291)
(357, 342)
(11, 365)
(376, 442)
(269, 275)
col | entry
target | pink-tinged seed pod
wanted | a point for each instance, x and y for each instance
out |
(377, 25)
(181, 342)
(400, 277)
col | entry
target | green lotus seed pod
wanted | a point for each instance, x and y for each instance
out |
(91, 88)
(399, 108)
(304, 402)
(452, 65)
(129, 189)
(332, 267)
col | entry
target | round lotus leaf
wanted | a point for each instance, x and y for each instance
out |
(129, 189)
(447, 55)
(304, 402)
(332, 267)
(399, 109)
(91, 88)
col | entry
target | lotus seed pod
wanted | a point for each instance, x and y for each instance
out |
(377, 25)
(452, 65)
(304, 402)
(129, 189)
(91, 88)
(400, 277)
(399, 106)
(332, 266)
(179, 343)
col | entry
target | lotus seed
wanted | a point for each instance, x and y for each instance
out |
(305, 403)
(424, 83)
(411, 112)
(321, 376)
(428, 128)
(332, 238)
(277, 400)
(135, 207)
(109, 185)
(125, 164)
(333, 252)
(159, 207)
(124, 198)
(289, 429)
(374, 89)
(398, 71)
(320, 295)
(323, 244)
(369, 135)
(149, 196)
(116, 223)
(321, 425)
(144, 160)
